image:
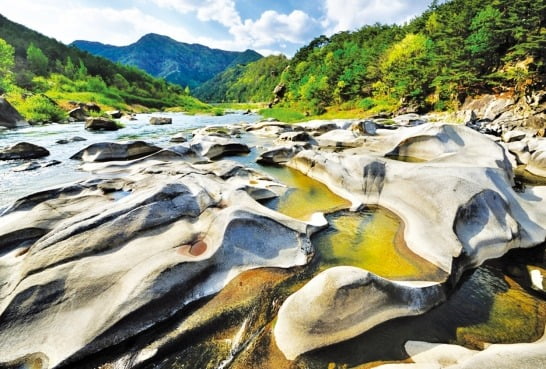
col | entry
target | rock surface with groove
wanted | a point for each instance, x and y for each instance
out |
(342, 302)
(456, 199)
(110, 151)
(496, 356)
(90, 265)
(212, 146)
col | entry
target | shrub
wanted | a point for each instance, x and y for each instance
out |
(367, 103)
(40, 108)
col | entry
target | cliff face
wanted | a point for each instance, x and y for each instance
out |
(505, 112)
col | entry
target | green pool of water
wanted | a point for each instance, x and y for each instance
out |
(373, 240)
(305, 195)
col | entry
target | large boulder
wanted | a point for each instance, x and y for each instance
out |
(212, 146)
(340, 138)
(495, 356)
(100, 262)
(157, 121)
(343, 302)
(92, 107)
(537, 163)
(280, 154)
(109, 151)
(115, 114)
(78, 114)
(488, 107)
(23, 150)
(100, 124)
(450, 185)
(9, 116)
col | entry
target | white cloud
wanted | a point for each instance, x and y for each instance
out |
(265, 33)
(343, 15)
(221, 11)
(67, 23)
(273, 27)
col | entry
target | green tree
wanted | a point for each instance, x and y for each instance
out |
(485, 40)
(7, 61)
(37, 61)
(407, 67)
(70, 69)
(81, 73)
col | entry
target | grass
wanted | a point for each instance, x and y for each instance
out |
(241, 106)
(287, 115)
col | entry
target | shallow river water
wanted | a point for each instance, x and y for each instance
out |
(16, 184)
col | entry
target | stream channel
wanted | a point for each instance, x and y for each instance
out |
(491, 304)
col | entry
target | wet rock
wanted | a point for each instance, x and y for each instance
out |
(537, 163)
(513, 136)
(78, 114)
(92, 107)
(495, 356)
(101, 266)
(178, 138)
(339, 138)
(34, 165)
(160, 121)
(100, 124)
(214, 147)
(366, 127)
(295, 137)
(343, 302)
(280, 155)
(9, 116)
(115, 114)
(450, 174)
(520, 149)
(110, 151)
(408, 120)
(23, 150)
(67, 141)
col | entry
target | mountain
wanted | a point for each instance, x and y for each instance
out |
(177, 62)
(45, 69)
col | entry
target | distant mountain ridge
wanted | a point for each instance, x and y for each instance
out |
(177, 62)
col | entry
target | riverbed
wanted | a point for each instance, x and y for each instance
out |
(489, 305)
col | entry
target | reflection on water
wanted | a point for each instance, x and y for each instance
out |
(305, 196)
(527, 178)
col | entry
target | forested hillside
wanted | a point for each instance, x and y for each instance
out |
(35, 70)
(455, 49)
(244, 83)
(177, 62)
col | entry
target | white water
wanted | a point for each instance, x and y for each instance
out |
(14, 185)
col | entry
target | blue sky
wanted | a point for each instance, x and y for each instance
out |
(268, 26)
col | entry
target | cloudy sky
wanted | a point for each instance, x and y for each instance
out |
(268, 26)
